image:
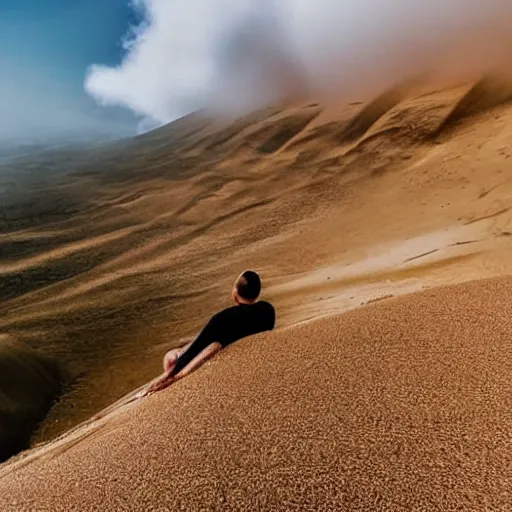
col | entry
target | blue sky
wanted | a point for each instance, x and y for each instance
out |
(46, 49)
(62, 61)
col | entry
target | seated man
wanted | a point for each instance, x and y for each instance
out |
(248, 317)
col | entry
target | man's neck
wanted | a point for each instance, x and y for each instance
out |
(242, 302)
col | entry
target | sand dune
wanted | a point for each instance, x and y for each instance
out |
(115, 254)
(29, 382)
(401, 405)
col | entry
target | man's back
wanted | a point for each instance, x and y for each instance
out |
(240, 321)
(228, 326)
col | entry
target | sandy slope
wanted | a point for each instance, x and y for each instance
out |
(117, 254)
(401, 405)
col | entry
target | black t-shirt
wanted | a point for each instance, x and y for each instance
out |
(229, 326)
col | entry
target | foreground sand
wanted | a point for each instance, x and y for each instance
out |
(401, 405)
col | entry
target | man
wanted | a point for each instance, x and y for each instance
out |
(246, 318)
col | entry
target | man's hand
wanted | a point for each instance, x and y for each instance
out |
(160, 384)
(166, 380)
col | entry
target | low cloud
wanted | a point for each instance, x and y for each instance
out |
(235, 55)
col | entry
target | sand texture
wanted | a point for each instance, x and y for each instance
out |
(401, 405)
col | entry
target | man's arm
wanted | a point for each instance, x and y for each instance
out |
(200, 359)
(185, 347)
(172, 356)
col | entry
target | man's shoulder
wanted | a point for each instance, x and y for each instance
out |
(268, 312)
(226, 312)
(263, 304)
(258, 308)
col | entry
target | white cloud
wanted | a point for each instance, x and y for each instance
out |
(238, 54)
